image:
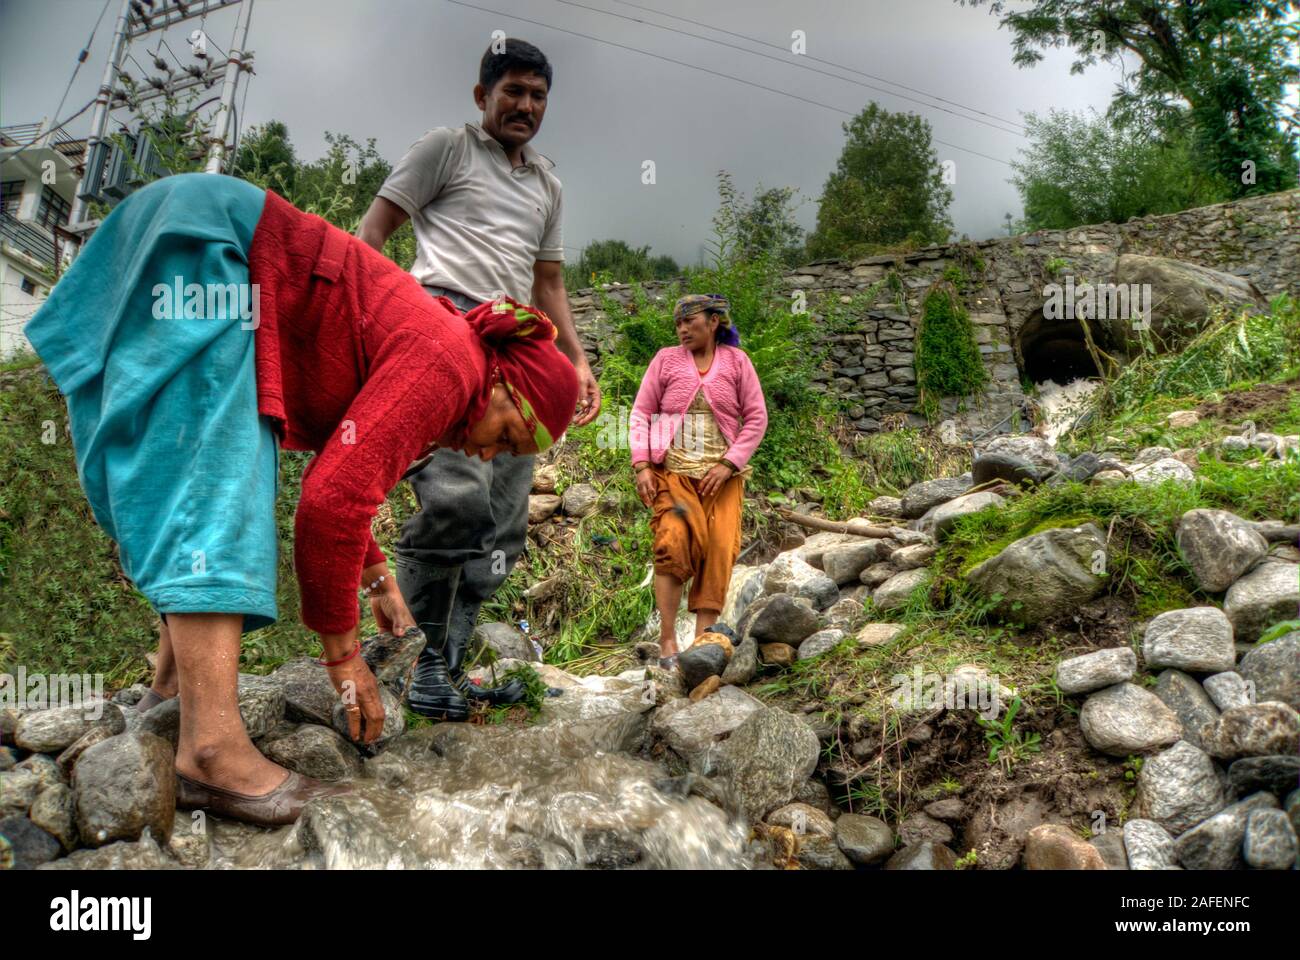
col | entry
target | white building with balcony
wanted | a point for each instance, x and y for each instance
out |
(39, 173)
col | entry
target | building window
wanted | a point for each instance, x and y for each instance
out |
(53, 209)
(28, 287)
(11, 194)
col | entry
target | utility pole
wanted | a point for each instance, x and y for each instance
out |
(138, 18)
(95, 145)
(234, 63)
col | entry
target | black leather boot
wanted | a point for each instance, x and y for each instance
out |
(463, 618)
(429, 592)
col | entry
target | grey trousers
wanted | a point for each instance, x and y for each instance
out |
(473, 515)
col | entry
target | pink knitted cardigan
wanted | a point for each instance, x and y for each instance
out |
(670, 383)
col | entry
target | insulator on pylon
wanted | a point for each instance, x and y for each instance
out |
(195, 71)
(162, 64)
(139, 9)
(157, 83)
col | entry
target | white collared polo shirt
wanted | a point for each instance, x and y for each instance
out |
(480, 224)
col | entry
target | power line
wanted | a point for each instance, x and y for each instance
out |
(803, 66)
(693, 66)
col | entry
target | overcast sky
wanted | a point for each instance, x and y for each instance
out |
(391, 69)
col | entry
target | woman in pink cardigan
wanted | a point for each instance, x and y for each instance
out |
(698, 418)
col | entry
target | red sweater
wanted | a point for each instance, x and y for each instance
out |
(356, 362)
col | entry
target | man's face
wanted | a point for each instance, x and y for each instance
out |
(513, 108)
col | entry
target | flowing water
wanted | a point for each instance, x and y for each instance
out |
(566, 793)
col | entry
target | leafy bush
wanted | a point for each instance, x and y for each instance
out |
(948, 360)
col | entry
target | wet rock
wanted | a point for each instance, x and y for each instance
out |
(1149, 455)
(876, 574)
(1227, 690)
(18, 791)
(922, 826)
(1092, 671)
(163, 721)
(990, 467)
(8, 757)
(1180, 787)
(766, 758)
(1216, 843)
(878, 634)
(692, 730)
(1109, 476)
(701, 661)
(743, 665)
(950, 808)
(1053, 846)
(1270, 842)
(823, 641)
(1126, 719)
(1082, 468)
(1274, 670)
(1028, 447)
(939, 520)
(542, 507)
(1197, 639)
(784, 620)
(546, 477)
(261, 703)
(390, 658)
(1273, 774)
(1218, 546)
(885, 507)
(707, 687)
(1040, 575)
(821, 590)
(844, 563)
(315, 751)
(864, 840)
(8, 724)
(1266, 595)
(815, 852)
(1189, 701)
(777, 654)
(920, 497)
(803, 820)
(46, 769)
(190, 848)
(896, 591)
(55, 812)
(1149, 846)
(68, 758)
(787, 573)
(1110, 846)
(123, 855)
(580, 500)
(348, 834)
(49, 731)
(123, 786)
(912, 557)
(309, 696)
(1163, 470)
(923, 856)
(1256, 730)
(844, 613)
(609, 850)
(28, 845)
(504, 640)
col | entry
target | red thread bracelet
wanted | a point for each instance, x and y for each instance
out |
(335, 663)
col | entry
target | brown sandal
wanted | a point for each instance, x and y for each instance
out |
(273, 809)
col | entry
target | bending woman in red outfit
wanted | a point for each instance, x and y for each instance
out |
(177, 409)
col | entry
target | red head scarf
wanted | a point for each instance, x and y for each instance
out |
(519, 341)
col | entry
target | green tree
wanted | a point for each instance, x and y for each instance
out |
(887, 189)
(616, 260)
(1223, 66)
(266, 153)
(763, 226)
(1082, 168)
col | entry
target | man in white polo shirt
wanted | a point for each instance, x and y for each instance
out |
(485, 207)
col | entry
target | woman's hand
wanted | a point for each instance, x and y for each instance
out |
(718, 475)
(356, 687)
(645, 485)
(389, 610)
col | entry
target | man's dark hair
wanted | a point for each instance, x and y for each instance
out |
(519, 55)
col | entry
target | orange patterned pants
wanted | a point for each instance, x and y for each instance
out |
(696, 538)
